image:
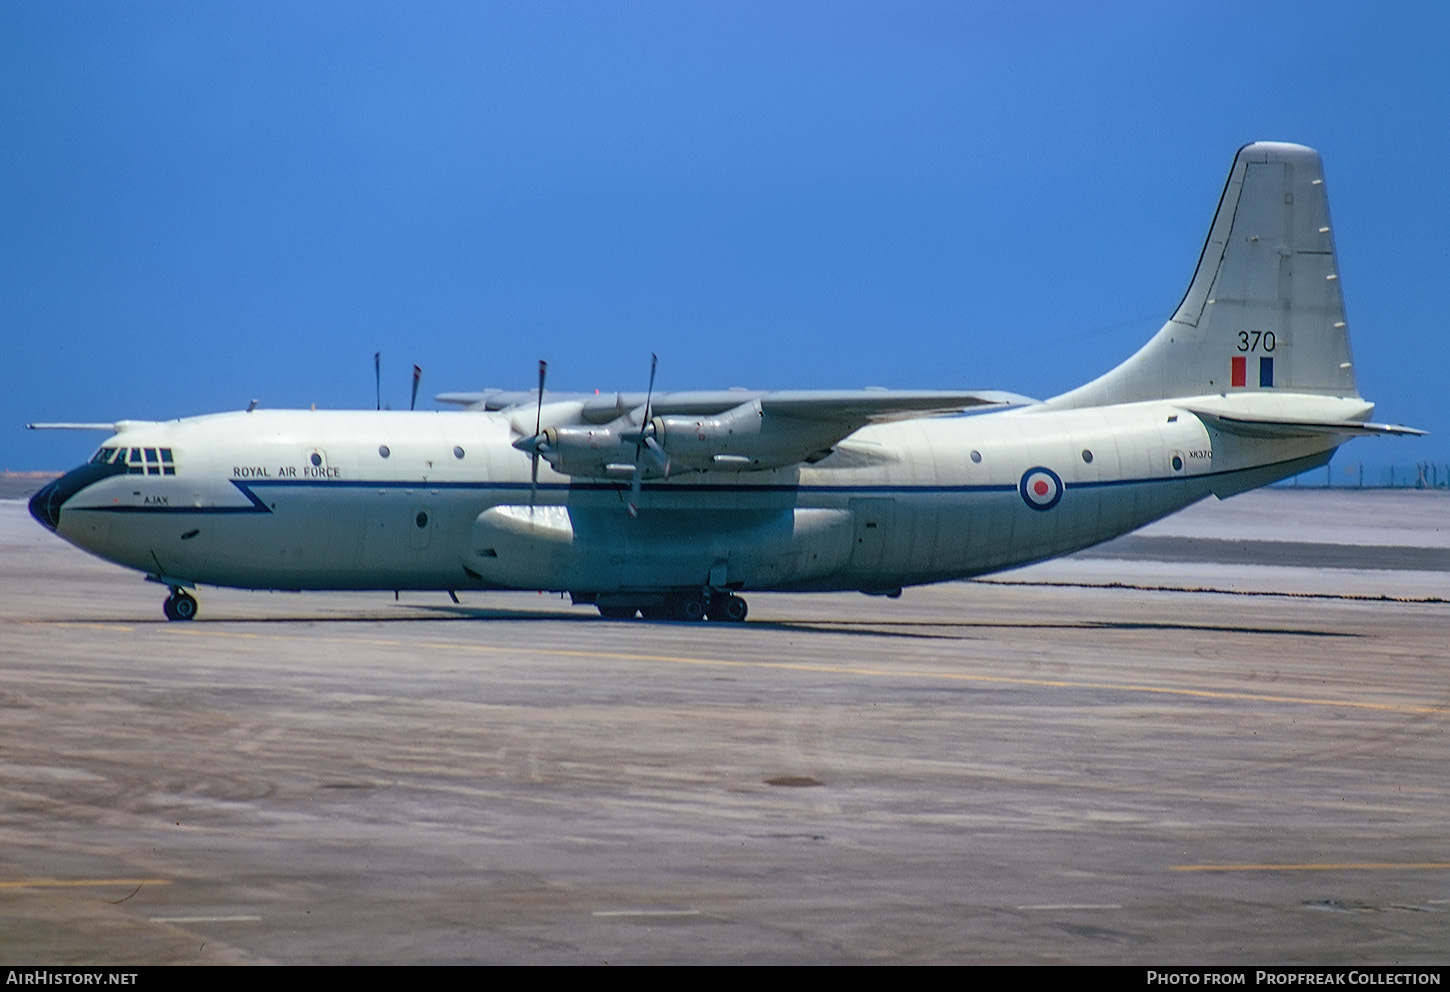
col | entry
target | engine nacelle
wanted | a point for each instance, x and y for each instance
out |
(742, 439)
(598, 452)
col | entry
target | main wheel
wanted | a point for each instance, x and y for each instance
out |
(728, 609)
(689, 608)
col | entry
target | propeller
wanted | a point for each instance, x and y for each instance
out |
(645, 443)
(535, 445)
(538, 442)
(378, 376)
(417, 375)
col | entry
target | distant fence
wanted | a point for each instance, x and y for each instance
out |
(1357, 475)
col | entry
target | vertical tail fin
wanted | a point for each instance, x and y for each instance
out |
(1264, 309)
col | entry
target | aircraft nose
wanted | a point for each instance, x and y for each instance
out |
(45, 505)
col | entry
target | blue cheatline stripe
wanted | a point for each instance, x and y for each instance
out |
(256, 505)
(662, 487)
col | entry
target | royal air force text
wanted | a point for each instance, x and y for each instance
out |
(286, 472)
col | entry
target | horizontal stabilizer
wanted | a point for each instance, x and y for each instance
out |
(1278, 427)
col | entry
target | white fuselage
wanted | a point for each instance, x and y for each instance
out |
(308, 500)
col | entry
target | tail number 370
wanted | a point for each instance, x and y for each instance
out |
(1256, 341)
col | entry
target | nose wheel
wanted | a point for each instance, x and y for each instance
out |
(180, 605)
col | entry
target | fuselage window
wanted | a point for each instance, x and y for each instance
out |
(457, 451)
(383, 450)
(977, 457)
(1087, 456)
(316, 460)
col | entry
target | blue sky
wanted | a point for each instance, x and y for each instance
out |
(210, 202)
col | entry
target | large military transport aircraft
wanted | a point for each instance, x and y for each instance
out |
(671, 504)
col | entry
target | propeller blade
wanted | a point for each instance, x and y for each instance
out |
(417, 375)
(534, 480)
(654, 361)
(661, 457)
(538, 419)
(645, 443)
(378, 376)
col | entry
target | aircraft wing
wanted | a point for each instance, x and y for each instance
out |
(865, 405)
(774, 430)
(732, 430)
(490, 399)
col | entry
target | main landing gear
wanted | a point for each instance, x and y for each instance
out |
(720, 607)
(180, 605)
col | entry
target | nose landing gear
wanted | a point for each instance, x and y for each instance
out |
(180, 605)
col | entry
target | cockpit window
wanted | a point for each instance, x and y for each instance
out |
(141, 461)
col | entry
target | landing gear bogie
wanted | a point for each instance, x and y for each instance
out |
(682, 607)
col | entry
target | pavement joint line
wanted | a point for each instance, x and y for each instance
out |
(645, 912)
(84, 624)
(1326, 866)
(205, 919)
(78, 883)
(848, 670)
(1072, 905)
(1351, 597)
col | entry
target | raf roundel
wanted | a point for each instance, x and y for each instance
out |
(1040, 488)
